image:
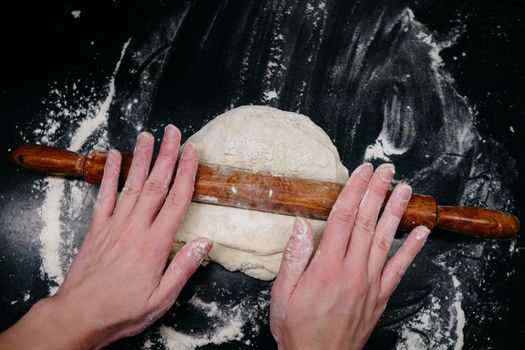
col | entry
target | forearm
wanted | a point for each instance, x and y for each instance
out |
(48, 325)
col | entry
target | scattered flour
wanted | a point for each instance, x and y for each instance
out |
(459, 313)
(25, 297)
(229, 322)
(232, 330)
(427, 330)
(210, 199)
(90, 124)
(52, 235)
(384, 147)
(440, 323)
(436, 47)
(270, 95)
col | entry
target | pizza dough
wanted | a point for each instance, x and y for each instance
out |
(260, 139)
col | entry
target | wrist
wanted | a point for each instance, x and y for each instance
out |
(71, 319)
(50, 325)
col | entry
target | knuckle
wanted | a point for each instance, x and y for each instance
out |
(187, 167)
(393, 210)
(131, 190)
(410, 253)
(165, 158)
(382, 244)
(358, 288)
(344, 215)
(330, 275)
(184, 169)
(154, 186)
(178, 200)
(359, 281)
(399, 270)
(140, 161)
(366, 223)
(104, 198)
(379, 191)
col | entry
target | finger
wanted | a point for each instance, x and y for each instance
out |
(294, 262)
(137, 175)
(179, 272)
(107, 193)
(367, 215)
(178, 200)
(157, 184)
(339, 225)
(399, 263)
(386, 229)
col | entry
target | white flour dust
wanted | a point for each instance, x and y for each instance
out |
(26, 295)
(50, 235)
(90, 124)
(230, 330)
(438, 325)
(383, 147)
(278, 62)
(54, 237)
(441, 321)
(226, 323)
(460, 315)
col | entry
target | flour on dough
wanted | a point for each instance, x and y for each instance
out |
(261, 139)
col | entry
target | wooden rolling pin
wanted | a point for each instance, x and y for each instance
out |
(225, 186)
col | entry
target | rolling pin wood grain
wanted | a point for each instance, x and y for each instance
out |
(225, 186)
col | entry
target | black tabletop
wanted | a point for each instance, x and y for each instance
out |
(436, 87)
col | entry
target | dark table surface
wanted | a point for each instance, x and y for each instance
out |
(436, 87)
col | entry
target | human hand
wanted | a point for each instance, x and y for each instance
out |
(336, 301)
(117, 284)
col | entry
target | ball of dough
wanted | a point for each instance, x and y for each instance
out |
(260, 139)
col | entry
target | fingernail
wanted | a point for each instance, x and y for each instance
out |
(171, 133)
(142, 140)
(386, 172)
(200, 248)
(300, 227)
(404, 192)
(364, 171)
(422, 234)
(189, 151)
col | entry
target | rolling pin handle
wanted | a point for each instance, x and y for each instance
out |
(49, 160)
(481, 222)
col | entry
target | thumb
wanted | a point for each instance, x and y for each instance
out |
(294, 262)
(180, 270)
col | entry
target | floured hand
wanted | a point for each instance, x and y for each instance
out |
(336, 301)
(117, 284)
